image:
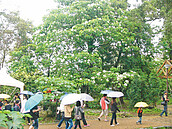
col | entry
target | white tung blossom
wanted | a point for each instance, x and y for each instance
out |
(125, 84)
(92, 77)
(98, 74)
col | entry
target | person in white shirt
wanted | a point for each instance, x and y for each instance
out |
(23, 108)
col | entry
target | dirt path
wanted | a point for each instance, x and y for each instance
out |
(124, 123)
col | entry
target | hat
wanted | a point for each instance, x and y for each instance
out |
(165, 92)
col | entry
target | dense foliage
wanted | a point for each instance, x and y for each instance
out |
(92, 45)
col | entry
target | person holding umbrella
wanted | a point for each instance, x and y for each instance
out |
(114, 109)
(139, 111)
(104, 105)
(78, 111)
(31, 104)
(34, 112)
(61, 109)
(83, 114)
(68, 115)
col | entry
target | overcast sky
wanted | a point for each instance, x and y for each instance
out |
(33, 10)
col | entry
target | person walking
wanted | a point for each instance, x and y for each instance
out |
(139, 112)
(78, 111)
(114, 109)
(61, 110)
(68, 115)
(34, 112)
(23, 109)
(104, 105)
(165, 100)
(83, 114)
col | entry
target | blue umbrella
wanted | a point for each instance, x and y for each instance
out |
(26, 92)
(33, 101)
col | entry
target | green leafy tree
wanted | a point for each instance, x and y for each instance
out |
(14, 31)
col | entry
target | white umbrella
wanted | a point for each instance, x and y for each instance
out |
(105, 91)
(85, 97)
(2, 96)
(115, 94)
(70, 99)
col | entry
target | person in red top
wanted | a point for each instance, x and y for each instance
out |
(139, 111)
(104, 105)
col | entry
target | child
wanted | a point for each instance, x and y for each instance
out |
(139, 111)
(78, 111)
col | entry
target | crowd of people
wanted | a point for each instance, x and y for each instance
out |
(78, 108)
(66, 112)
(17, 106)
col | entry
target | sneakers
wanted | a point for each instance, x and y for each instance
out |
(117, 124)
(112, 125)
(86, 125)
(106, 120)
(59, 127)
(98, 119)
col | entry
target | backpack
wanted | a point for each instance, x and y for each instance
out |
(77, 115)
(140, 113)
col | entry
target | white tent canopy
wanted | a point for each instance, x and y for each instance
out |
(7, 80)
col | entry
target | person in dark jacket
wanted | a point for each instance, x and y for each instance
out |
(83, 115)
(165, 99)
(8, 106)
(78, 111)
(34, 112)
(114, 109)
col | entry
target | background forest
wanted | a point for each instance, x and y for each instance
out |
(89, 46)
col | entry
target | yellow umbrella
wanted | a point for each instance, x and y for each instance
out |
(141, 104)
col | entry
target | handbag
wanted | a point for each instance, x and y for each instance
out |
(78, 117)
(163, 103)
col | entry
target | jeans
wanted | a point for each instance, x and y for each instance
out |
(83, 119)
(140, 120)
(61, 121)
(165, 110)
(69, 123)
(35, 124)
(28, 119)
(113, 117)
(77, 122)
